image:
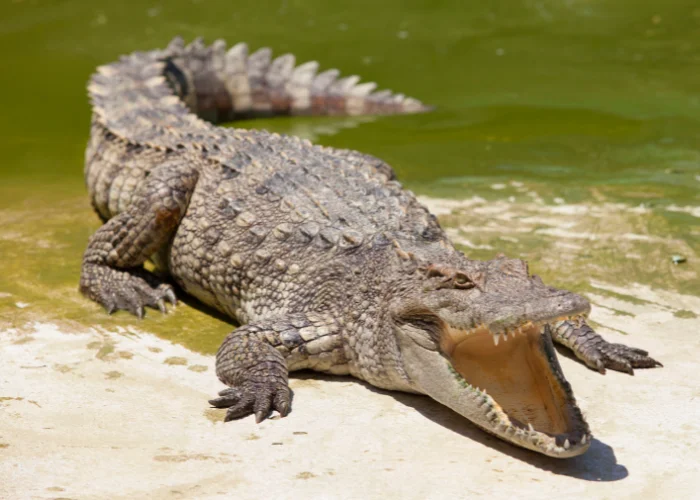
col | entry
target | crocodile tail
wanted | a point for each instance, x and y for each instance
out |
(221, 84)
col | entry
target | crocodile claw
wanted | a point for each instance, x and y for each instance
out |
(170, 295)
(253, 398)
(621, 358)
(596, 352)
(228, 398)
(130, 290)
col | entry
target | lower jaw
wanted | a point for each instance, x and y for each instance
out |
(494, 420)
(563, 445)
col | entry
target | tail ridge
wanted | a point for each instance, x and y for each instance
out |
(224, 84)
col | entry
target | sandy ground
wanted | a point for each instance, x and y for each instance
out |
(123, 414)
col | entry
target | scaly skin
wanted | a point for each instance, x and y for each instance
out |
(322, 256)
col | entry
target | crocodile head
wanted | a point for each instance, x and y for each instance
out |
(475, 338)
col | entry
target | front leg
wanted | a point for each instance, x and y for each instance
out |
(255, 359)
(596, 352)
(112, 274)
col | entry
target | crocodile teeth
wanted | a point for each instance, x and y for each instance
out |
(584, 439)
(567, 445)
(530, 427)
(496, 338)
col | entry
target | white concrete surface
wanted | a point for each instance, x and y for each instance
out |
(124, 415)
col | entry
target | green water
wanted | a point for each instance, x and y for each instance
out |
(586, 102)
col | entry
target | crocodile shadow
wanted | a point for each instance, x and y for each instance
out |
(195, 303)
(597, 464)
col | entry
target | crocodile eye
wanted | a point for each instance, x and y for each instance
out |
(461, 280)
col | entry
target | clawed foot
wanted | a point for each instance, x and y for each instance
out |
(255, 398)
(597, 352)
(129, 290)
(619, 357)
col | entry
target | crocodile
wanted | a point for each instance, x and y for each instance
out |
(319, 254)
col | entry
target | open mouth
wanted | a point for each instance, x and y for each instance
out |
(525, 396)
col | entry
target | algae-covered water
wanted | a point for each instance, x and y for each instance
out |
(567, 132)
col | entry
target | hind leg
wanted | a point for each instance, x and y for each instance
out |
(112, 273)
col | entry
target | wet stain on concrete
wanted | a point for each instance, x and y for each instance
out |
(305, 475)
(175, 360)
(186, 457)
(215, 414)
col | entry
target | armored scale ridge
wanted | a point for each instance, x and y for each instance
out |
(319, 253)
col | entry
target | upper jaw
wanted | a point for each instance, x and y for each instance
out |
(505, 332)
(504, 315)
